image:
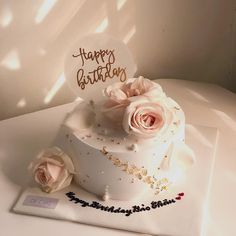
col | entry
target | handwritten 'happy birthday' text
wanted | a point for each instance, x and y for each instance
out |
(102, 72)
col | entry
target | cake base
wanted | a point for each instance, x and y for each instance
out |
(182, 213)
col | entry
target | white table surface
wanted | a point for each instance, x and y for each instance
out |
(22, 137)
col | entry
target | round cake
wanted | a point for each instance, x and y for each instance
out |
(120, 145)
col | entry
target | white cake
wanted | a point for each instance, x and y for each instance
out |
(120, 160)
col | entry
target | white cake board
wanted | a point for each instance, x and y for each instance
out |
(184, 217)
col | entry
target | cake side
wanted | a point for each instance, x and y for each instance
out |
(108, 161)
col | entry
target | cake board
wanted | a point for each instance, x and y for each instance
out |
(184, 215)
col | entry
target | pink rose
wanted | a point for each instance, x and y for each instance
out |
(120, 95)
(143, 87)
(52, 170)
(144, 119)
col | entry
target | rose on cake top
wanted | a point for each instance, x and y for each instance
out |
(120, 95)
(143, 118)
(140, 105)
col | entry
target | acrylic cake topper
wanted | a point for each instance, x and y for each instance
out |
(95, 62)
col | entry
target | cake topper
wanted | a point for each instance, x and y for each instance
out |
(95, 62)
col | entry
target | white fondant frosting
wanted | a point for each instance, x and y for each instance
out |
(128, 164)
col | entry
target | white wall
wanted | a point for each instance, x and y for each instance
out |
(184, 39)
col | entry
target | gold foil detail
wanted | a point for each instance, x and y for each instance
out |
(139, 173)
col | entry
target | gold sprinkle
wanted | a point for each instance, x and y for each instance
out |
(164, 180)
(104, 151)
(139, 176)
(131, 171)
(117, 162)
(91, 102)
(144, 172)
(163, 188)
(139, 173)
(135, 169)
(148, 180)
(125, 165)
(176, 122)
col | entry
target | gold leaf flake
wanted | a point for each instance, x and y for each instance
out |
(144, 172)
(117, 162)
(104, 151)
(139, 176)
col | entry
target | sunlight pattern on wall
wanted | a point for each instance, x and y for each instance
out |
(42, 52)
(44, 9)
(55, 89)
(11, 61)
(120, 4)
(102, 26)
(129, 35)
(21, 103)
(5, 17)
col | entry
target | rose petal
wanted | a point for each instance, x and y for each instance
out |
(145, 118)
(125, 93)
(54, 170)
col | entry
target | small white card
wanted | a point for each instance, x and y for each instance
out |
(38, 201)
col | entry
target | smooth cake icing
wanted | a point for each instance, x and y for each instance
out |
(119, 161)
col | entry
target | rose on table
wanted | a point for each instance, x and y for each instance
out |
(52, 170)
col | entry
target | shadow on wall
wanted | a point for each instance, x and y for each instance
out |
(184, 40)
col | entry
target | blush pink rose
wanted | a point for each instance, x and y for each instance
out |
(142, 87)
(144, 119)
(52, 170)
(120, 95)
